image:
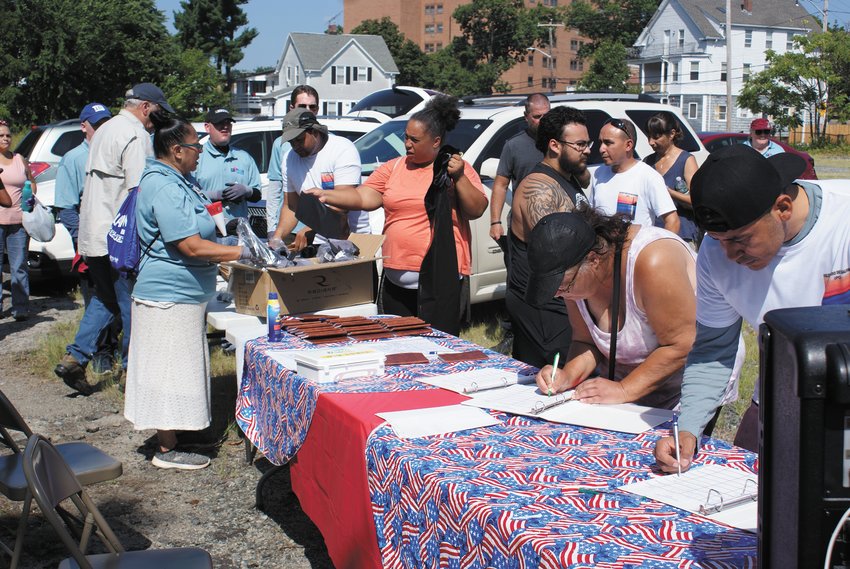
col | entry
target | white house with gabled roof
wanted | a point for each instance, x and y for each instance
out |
(681, 53)
(343, 68)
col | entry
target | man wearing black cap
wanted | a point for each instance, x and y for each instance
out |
(318, 160)
(542, 331)
(225, 173)
(117, 158)
(772, 242)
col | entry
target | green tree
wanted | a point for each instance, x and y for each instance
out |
(211, 26)
(58, 55)
(195, 86)
(407, 55)
(607, 72)
(814, 78)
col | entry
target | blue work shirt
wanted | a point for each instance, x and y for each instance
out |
(71, 177)
(772, 148)
(170, 208)
(216, 170)
(279, 150)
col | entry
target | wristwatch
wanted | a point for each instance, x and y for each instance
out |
(492, 223)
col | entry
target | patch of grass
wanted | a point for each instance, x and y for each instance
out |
(485, 328)
(51, 346)
(731, 414)
(222, 363)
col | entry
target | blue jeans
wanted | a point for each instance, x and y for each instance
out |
(15, 242)
(110, 299)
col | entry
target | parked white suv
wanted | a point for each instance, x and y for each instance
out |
(484, 127)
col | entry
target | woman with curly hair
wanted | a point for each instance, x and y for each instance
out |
(429, 195)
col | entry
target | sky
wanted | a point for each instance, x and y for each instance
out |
(274, 20)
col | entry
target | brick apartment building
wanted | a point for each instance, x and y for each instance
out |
(429, 24)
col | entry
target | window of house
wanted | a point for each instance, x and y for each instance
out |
(531, 60)
(744, 113)
(748, 38)
(439, 27)
(576, 65)
(789, 42)
(297, 80)
(723, 71)
(675, 72)
(289, 75)
(553, 62)
(439, 8)
(721, 112)
(439, 45)
(694, 70)
(332, 108)
(530, 81)
(768, 40)
(681, 38)
(340, 74)
(550, 2)
(692, 110)
(429, 28)
(429, 48)
(362, 73)
(574, 45)
(429, 9)
(746, 75)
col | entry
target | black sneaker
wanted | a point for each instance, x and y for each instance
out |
(73, 373)
(180, 460)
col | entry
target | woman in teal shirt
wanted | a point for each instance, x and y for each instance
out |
(168, 366)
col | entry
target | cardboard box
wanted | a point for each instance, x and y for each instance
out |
(311, 288)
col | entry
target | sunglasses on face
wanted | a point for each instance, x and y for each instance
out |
(618, 123)
(762, 132)
(313, 108)
(193, 145)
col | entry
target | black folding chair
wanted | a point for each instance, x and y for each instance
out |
(51, 483)
(88, 463)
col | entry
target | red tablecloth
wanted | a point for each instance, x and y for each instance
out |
(329, 475)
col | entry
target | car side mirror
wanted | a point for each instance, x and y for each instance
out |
(489, 168)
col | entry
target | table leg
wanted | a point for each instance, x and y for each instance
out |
(258, 501)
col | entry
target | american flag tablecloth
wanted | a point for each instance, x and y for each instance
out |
(528, 493)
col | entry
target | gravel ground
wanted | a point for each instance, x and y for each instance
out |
(148, 507)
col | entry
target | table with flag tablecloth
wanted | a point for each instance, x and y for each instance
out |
(524, 493)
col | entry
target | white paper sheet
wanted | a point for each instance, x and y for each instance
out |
(437, 420)
(522, 399)
(476, 381)
(691, 490)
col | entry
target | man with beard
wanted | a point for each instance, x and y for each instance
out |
(540, 332)
(318, 160)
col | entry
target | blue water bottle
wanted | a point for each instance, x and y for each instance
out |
(26, 196)
(273, 317)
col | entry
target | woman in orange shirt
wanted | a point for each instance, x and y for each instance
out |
(419, 277)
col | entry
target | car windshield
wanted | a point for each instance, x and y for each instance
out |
(392, 102)
(387, 141)
(26, 145)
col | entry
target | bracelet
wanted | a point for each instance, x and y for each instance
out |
(492, 223)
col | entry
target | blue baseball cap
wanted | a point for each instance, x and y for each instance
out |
(150, 92)
(94, 113)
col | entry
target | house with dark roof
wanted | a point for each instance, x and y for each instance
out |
(343, 68)
(681, 53)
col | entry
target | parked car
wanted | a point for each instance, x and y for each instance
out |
(484, 127)
(45, 145)
(715, 140)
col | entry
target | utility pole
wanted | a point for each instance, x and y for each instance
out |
(551, 27)
(728, 65)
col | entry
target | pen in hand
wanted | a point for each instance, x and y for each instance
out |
(676, 442)
(554, 371)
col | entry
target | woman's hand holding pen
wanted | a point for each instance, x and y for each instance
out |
(557, 382)
(665, 452)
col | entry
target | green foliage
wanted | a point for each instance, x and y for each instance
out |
(407, 55)
(453, 70)
(612, 20)
(814, 77)
(195, 86)
(499, 31)
(608, 72)
(58, 55)
(211, 26)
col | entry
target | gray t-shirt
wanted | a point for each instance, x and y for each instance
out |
(519, 156)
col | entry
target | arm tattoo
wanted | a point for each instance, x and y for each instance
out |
(543, 196)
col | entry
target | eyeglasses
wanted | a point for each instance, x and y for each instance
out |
(762, 132)
(313, 108)
(571, 283)
(618, 123)
(193, 145)
(579, 145)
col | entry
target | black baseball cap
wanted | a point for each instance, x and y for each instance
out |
(559, 241)
(215, 116)
(736, 185)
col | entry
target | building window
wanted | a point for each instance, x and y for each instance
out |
(439, 8)
(429, 9)
(723, 71)
(553, 62)
(439, 45)
(675, 72)
(768, 41)
(332, 108)
(429, 28)
(574, 45)
(429, 48)
(289, 75)
(681, 38)
(744, 113)
(531, 60)
(692, 110)
(721, 112)
(576, 65)
(297, 80)
(439, 27)
(530, 81)
(362, 74)
(746, 75)
(549, 83)
(789, 42)
(550, 2)
(748, 38)
(694, 70)
(340, 74)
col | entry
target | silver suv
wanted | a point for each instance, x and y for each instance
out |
(485, 125)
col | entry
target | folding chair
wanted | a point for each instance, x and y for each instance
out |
(90, 465)
(51, 482)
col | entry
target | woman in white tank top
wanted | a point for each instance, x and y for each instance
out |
(572, 257)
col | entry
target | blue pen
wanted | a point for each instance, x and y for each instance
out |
(676, 442)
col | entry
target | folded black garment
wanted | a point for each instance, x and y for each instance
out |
(320, 218)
